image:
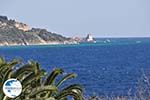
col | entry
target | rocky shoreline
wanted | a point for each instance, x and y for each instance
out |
(50, 43)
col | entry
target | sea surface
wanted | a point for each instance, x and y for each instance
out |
(108, 67)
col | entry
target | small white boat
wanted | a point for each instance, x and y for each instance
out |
(138, 41)
(107, 41)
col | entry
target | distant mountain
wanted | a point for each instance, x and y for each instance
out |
(16, 33)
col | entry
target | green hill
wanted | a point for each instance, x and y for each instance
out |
(16, 33)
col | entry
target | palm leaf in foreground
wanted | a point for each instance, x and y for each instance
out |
(37, 85)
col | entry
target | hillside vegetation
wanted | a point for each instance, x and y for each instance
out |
(16, 33)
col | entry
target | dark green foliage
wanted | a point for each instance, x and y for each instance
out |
(37, 85)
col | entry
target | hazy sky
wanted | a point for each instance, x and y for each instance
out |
(102, 18)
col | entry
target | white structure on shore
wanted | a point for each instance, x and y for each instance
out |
(89, 38)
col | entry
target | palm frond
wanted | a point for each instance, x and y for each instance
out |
(51, 78)
(41, 89)
(68, 76)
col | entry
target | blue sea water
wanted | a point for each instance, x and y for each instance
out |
(103, 68)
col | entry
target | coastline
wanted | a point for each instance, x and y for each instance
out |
(100, 41)
(38, 44)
